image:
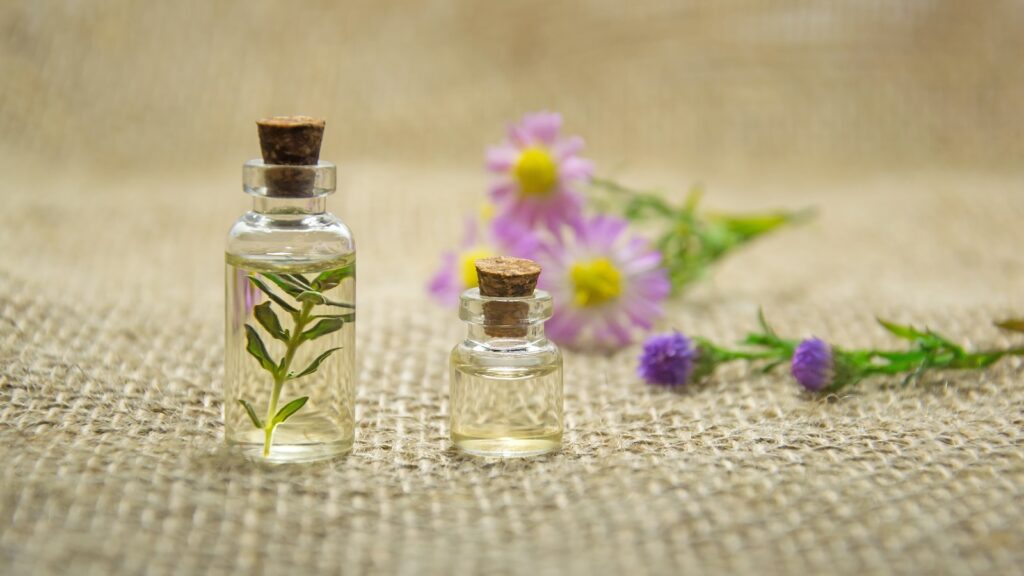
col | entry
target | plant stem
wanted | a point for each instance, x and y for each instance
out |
(282, 374)
(728, 355)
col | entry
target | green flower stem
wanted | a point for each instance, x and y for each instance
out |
(690, 241)
(937, 360)
(725, 355)
(928, 351)
(281, 375)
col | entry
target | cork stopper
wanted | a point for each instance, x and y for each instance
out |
(291, 140)
(506, 277)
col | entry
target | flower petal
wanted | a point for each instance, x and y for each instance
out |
(642, 263)
(571, 146)
(576, 168)
(564, 326)
(503, 191)
(613, 333)
(542, 127)
(644, 285)
(444, 287)
(501, 158)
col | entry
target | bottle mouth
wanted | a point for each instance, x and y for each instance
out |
(287, 181)
(504, 311)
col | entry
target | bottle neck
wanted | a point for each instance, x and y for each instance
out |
(506, 336)
(288, 190)
(289, 206)
(503, 323)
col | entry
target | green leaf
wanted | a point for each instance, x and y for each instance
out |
(693, 199)
(925, 339)
(350, 317)
(266, 317)
(292, 288)
(311, 297)
(299, 279)
(314, 364)
(763, 322)
(331, 278)
(751, 226)
(289, 409)
(641, 207)
(254, 345)
(252, 413)
(936, 339)
(637, 203)
(322, 328)
(915, 376)
(330, 302)
(270, 294)
(1012, 324)
(905, 332)
(767, 368)
(758, 340)
(912, 356)
(978, 360)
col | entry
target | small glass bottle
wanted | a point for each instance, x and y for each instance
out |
(289, 378)
(506, 376)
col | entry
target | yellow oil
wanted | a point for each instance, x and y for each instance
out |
(324, 426)
(506, 411)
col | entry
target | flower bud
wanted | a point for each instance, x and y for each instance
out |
(668, 359)
(813, 364)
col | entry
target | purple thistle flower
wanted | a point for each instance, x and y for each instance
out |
(813, 364)
(668, 359)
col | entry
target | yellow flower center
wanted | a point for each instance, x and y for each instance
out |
(595, 282)
(486, 212)
(467, 264)
(536, 172)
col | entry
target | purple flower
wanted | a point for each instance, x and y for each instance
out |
(457, 271)
(605, 283)
(538, 172)
(813, 364)
(668, 359)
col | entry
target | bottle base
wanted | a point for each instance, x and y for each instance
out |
(304, 438)
(293, 453)
(507, 446)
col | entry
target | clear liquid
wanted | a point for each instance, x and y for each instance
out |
(506, 411)
(324, 426)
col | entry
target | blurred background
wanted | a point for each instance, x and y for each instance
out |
(123, 126)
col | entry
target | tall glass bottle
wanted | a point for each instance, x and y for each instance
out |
(289, 382)
(506, 376)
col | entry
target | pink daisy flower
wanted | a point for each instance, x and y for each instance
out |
(457, 272)
(605, 282)
(538, 173)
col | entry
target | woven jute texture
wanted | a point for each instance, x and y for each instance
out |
(124, 126)
(110, 433)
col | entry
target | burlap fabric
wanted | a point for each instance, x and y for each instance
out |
(111, 290)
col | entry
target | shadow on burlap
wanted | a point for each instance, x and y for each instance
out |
(111, 295)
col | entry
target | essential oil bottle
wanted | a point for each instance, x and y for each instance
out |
(506, 376)
(289, 372)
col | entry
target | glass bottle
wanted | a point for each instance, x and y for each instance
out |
(506, 379)
(289, 381)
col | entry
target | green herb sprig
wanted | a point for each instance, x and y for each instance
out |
(675, 359)
(305, 295)
(690, 241)
(928, 351)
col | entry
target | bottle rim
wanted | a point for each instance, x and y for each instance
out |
(286, 181)
(476, 308)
